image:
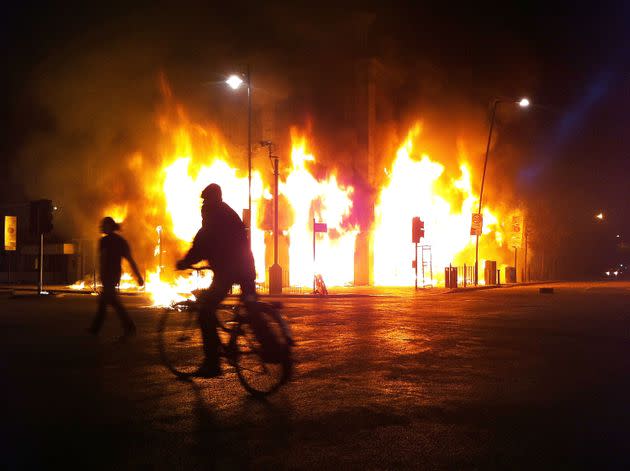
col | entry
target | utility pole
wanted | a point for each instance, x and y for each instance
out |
(526, 275)
(275, 271)
(40, 278)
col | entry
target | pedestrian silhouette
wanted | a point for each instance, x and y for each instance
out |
(112, 249)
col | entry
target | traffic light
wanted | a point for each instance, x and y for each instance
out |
(41, 217)
(417, 230)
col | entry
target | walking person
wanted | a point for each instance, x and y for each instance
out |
(112, 249)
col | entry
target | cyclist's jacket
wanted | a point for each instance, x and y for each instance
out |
(222, 241)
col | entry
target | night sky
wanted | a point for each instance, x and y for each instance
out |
(85, 77)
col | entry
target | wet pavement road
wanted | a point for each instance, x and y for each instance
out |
(505, 378)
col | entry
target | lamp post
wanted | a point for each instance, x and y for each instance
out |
(235, 81)
(523, 103)
(275, 271)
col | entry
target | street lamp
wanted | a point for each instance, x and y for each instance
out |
(275, 271)
(523, 103)
(234, 82)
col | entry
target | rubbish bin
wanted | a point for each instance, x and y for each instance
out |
(510, 274)
(450, 277)
(490, 272)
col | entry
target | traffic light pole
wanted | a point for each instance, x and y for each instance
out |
(40, 284)
(416, 264)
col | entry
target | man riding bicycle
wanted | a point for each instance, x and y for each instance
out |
(222, 241)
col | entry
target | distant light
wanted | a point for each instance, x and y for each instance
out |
(618, 236)
(616, 273)
(600, 216)
(55, 208)
(524, 103)
(234, 81)
(607, 273)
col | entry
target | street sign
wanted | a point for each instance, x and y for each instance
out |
(477, 224)
(516, 232)
(10, 232)
(320, 227)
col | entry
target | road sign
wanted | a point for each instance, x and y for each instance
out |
(320, 227)
(516, 232)
(477, 224)
(10, 232)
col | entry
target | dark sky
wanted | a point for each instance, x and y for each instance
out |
(568, 157)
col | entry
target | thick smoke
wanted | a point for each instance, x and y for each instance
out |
(101, 95)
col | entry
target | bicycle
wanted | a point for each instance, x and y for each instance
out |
(181, 345)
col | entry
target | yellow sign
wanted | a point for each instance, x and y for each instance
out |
(516, 232)
(476, 226)
(10, 232)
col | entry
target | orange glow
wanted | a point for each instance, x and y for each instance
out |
(415, 184)
(118, 212)
(326, 201)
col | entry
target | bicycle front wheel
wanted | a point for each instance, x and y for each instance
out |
(180, 341)
(259, 373)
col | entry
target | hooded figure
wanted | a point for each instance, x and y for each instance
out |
(222, 241)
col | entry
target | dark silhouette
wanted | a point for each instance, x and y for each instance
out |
(222, 241)
(112, 249)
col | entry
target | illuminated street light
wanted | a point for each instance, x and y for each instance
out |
(523, 103)
(600, 216)
(234, 82)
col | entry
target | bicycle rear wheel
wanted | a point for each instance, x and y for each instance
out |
(180, 341)
(259, 374)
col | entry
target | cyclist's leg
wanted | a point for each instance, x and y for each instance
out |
(257, 321)
(248, 291)
(211, 298)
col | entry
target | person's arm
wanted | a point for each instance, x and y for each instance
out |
(194, 254)
(133, 265)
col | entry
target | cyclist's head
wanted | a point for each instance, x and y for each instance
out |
(212, 194)
(108, 225)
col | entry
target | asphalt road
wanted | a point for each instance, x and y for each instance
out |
(505, 378)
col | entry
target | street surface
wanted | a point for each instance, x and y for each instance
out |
(501, 378)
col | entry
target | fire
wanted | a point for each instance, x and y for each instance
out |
(418, 186)
(327, 201)
(118, 212)
(79, 285)
(415, 184)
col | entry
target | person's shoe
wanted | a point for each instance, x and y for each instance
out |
(209, 370)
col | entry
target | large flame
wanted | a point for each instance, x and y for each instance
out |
(415, 184)
(418, 186)
(324, 201)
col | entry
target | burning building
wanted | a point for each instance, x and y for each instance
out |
(367, 206)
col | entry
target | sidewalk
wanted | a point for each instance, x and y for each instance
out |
(333, 292)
